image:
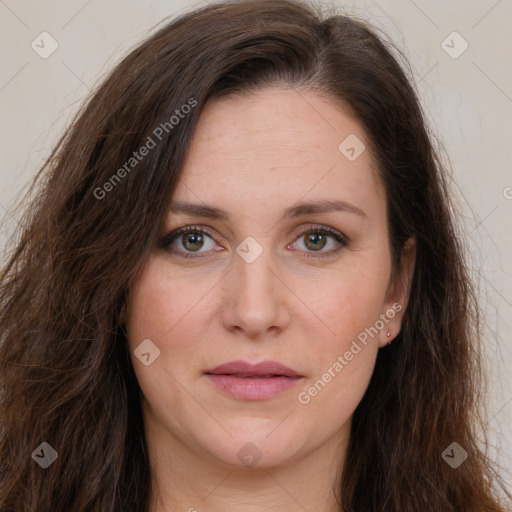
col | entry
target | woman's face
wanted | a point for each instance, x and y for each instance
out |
(287, 261)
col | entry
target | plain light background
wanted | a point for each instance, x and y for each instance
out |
(467, 99)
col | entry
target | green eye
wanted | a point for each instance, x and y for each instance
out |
(195, 241)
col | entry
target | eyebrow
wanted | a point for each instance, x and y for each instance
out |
(297, 210)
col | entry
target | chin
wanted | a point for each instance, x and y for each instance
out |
(255, 451)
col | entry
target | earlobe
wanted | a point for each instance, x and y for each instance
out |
(398, 293)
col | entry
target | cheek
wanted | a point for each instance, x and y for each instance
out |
(343, 362)
(168, 313)
(167, 310)
(347, 302)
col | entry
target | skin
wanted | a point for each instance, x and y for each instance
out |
(254, 156)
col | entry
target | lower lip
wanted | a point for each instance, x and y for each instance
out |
(253, 388)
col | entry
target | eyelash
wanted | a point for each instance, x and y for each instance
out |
(341, 239)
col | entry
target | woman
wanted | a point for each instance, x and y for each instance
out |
(240, 287)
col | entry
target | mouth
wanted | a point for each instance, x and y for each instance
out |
(243, 369)
(244, 381)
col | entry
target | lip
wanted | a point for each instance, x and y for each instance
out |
(246, 369)
(243, 380)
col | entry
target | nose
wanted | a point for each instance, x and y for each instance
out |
(255, 299)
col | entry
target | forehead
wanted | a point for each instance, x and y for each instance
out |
(280, 143)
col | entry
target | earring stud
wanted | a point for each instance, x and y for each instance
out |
(389, 334)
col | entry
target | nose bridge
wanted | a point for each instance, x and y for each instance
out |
(255, 278)
(253, 296)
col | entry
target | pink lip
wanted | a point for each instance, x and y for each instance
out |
(243, 380)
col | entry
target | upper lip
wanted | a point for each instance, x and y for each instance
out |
(246, 369)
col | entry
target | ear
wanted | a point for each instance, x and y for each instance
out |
(397, 296)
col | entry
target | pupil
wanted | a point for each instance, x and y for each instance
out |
(193, 241)
(315, 241)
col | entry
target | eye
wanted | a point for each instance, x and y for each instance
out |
(195, 242)
(316, 239)
(189, 242)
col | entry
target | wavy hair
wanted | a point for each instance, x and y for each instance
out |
(65, 372)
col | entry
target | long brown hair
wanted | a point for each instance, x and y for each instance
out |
(65, 372)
